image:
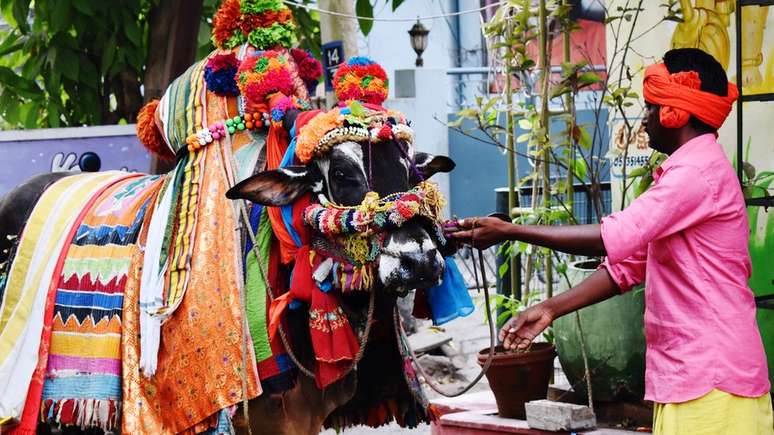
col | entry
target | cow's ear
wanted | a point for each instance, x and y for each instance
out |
(277, 187)
(429, 165)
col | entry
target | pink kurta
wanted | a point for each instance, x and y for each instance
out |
(690, 232)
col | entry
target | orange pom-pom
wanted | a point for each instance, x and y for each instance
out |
(149, 134)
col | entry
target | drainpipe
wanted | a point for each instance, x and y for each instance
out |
(457, 52)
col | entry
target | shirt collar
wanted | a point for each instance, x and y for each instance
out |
(686, 153)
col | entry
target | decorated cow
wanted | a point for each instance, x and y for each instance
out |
(252, 287)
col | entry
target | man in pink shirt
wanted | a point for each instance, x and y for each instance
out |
(686, 238)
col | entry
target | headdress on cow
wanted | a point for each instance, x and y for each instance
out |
(361, 79)
(355, 122)
(264, 24)
(680, 97)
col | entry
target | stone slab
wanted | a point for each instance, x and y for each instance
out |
(488, 423)
(428, 339)
(556, 416)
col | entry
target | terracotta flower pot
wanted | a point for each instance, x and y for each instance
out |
(518, 377)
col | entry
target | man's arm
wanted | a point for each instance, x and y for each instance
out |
(572, 239)
(519, 332)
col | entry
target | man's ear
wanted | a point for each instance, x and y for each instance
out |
(429, 165)
(277, 187)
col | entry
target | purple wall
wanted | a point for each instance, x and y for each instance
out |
(27, 153)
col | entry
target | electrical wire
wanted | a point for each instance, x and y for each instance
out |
(429, 17)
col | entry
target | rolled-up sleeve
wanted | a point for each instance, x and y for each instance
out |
(680, 198)
(629, 272)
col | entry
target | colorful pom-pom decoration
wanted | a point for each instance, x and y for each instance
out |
(219, 74)
(264, 24)
(361, 79)
(149, 134)
(309, 68)
(262, 75)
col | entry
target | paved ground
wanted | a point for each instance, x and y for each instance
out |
(469, 337)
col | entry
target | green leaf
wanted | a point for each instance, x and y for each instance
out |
(503, 269)
(21, 10)
(579, 168)
(643, 185)
(133, 33)
(589, 78)
(524, 137)
(583, 137)
(364, 8)
(88, 73)
(23, 86)
(60, 14)
(396, 4)
(108, 54)
(67, 63)
(638, 171)
(84, 7)
(525, 124)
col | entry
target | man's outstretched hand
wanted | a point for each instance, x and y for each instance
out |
(519, 331)
(480, 232)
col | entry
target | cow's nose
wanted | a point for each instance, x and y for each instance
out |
(424, 268)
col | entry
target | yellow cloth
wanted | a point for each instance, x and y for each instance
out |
(716, 413)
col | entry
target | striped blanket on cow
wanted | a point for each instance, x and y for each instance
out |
(29, 297)
(83, 377)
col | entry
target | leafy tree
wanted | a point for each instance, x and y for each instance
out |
(84, 62)
(80, 62)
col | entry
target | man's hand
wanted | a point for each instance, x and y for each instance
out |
(480, 233)
(519, 331)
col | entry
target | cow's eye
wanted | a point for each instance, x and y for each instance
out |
(338, 174)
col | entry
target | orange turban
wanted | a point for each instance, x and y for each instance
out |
(679, 96)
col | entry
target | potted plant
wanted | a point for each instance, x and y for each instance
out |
(517, 377)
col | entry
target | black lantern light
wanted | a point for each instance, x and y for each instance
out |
(418, 35)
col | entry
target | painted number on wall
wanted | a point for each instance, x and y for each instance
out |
(333, 56)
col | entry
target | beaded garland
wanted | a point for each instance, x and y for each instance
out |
(352, 123)
(218, 130)
(353, 236)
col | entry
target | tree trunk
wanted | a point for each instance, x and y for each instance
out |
(334, 28)
(172, 44)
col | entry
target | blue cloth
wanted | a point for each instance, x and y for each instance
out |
(287, 210)
(450, 299)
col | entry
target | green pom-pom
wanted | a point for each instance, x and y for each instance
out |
(258, 6)
(240, 126)
(231, 130)
(265, 38)
(229, 123)
(261, 65)
(237, 119)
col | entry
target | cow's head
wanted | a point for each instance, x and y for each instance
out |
(410, 256)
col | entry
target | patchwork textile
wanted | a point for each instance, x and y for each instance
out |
(83, 377)
(201, 360)
(49, 229)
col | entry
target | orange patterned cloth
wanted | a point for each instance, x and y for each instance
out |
(200, 363)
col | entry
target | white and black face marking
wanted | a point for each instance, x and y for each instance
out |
(409, 257)
(409, 260)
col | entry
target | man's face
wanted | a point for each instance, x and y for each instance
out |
(656, 132)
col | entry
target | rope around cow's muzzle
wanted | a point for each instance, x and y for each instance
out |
(401, 334)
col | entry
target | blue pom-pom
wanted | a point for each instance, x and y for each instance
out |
(277, 114)
(345, 111)
(221, 82)
(359, 60)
